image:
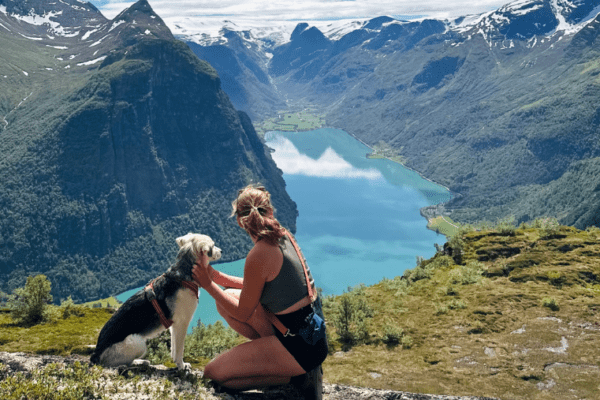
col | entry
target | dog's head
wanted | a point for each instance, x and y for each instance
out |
(197, 243)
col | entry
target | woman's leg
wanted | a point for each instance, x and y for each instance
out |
(258, 363)
(257, 326)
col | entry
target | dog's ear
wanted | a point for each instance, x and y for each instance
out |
(182, 239)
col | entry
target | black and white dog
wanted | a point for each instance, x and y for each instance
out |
(169, 301)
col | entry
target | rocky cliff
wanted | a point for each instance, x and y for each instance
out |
(116, 139)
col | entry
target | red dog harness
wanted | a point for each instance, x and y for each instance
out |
(151, 296)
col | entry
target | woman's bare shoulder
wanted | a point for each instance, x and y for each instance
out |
(264, 254)
(264, 249)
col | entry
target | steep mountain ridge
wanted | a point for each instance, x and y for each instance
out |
(116, 140)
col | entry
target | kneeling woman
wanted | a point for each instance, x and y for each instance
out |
(272, 305)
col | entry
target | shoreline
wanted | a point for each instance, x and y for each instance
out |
(387, 158)
(405, 166)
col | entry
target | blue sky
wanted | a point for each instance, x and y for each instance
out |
(304, 10)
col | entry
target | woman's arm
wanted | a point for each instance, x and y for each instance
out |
(259, 264)
(227, 281)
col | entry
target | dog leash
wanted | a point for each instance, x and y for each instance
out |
(151, 296)
(312, 293)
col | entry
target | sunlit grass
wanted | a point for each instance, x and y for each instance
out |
(444, 225)
(73, 335)
(482, 328)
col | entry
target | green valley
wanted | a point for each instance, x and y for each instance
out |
(286, 121)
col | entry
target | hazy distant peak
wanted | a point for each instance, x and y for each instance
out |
(301, 27)
(376, 23)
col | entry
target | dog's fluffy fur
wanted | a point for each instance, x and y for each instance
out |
(123, 337)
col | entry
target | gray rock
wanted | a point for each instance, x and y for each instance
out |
(21, 362)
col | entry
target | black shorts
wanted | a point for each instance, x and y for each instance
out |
(308, 356)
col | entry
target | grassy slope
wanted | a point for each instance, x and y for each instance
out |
(480, 328)
(494, 337)
(73, 335)
(443, 225)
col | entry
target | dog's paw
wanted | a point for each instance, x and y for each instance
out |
(140, 363)
(184, 366)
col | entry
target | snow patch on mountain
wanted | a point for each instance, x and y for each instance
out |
(491, 23)
(211, 31)
(91, 62)
(89, 33)
(30, 37)
(47, 19)
(115, 24)
(561, 7)
(521, 7)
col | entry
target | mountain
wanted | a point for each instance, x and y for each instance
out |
(499, 107)
(115, 139)
(242, 61)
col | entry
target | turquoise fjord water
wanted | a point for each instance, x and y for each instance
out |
(359, 219)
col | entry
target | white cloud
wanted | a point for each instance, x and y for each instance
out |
(281, 10)
(328, 165)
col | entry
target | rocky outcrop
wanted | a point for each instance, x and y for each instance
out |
(153, 378)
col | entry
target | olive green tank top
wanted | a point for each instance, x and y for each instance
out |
(289, 286)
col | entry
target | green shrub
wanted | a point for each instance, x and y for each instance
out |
(352, 317)
(398, 285)
(441, 309)
(53, 382)
(207, 341)
(548, 226)
(551, 303)
(204, 343)
(456, 304)
(68, 308)
(406, 341)
(484, 226)
(425, 269)
(158, 349)
(556, 278)
(450, 290)
(29, 306)
(593, 231)
(506, 226)
(392, 334)
(457, 242)
(467, 274)
(4, 298)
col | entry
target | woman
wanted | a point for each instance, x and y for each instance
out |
(274, 282)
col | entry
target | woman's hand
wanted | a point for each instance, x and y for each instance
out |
(200, 272)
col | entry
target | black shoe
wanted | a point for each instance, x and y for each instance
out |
(310, 384)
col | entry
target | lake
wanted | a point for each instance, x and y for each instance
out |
(359, 219)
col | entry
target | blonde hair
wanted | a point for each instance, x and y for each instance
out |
(256, 213)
